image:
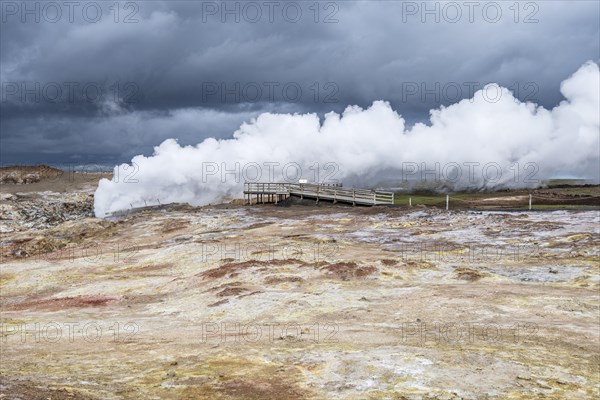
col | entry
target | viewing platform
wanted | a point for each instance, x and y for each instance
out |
(276, 192)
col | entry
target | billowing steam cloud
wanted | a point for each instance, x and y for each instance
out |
(489, 141)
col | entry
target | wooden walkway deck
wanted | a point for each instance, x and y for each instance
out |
(275, 192)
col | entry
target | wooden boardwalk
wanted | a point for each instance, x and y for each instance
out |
(275, 192)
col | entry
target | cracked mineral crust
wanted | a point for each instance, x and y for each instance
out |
(234, 302)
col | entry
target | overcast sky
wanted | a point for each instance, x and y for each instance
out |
(98, 83)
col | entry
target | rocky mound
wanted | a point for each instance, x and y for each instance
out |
(27, 174)
(22, 211)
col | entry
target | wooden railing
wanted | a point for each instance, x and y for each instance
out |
(265, 188)
(326, 192)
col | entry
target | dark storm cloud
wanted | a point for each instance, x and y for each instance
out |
(110, 89)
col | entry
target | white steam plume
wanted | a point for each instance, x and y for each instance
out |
(475, 144)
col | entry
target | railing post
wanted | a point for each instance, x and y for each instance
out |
(530, 202)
